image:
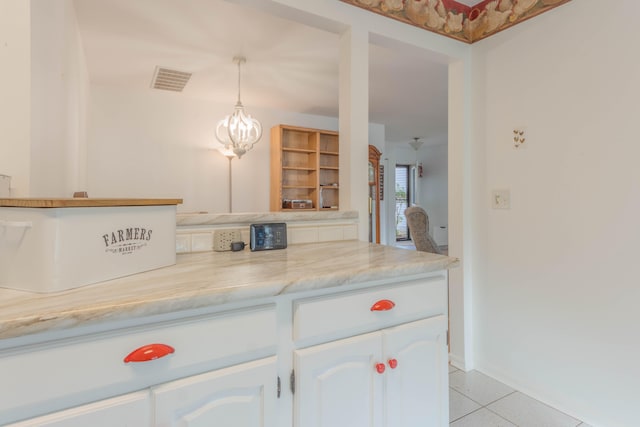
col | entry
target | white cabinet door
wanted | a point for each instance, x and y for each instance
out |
(242, 395)
(417, 388)
(131, 410)
(337, 383)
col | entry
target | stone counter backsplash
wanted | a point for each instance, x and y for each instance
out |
(195, 232)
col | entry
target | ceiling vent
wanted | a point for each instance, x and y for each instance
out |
(167, 79)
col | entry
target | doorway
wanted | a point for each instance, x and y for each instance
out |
(403, 194)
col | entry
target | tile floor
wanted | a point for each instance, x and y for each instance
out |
(476, 400)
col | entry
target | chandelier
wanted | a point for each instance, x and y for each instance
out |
(239, 131)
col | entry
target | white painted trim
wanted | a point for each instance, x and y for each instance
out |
(457, 361)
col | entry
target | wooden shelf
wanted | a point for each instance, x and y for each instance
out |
(297, 150)
(303, 162)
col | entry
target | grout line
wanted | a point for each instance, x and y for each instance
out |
(466, 415)
(484, 407)
(500, 416)
(580, 422)
(500, 398)
(480, 403)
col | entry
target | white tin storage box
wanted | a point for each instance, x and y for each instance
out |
(50, 245)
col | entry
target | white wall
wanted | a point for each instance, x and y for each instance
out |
(556, 309)
(44, 93)
(151, 143)
(59, 91)
(434, 189)
(15, 87)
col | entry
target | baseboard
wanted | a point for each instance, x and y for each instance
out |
(457, 362)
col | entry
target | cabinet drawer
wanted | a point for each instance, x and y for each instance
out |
(348, 313)
(53, 376)
(129, 410)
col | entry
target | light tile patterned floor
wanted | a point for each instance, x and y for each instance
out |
(476, 400)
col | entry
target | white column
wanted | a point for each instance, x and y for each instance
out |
(354, 125)
(15, 87)
(461, 214)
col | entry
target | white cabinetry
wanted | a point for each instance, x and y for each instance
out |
(417, 389)
(362, 355)
(129, 410)
(394, 377)
(61, 374)
(337, 385)
(242, 395)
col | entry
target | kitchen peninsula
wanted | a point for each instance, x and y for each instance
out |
(246, 338)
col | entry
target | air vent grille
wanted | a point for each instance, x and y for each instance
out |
(167, 79)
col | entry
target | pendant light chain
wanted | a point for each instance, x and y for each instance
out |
(240, 60)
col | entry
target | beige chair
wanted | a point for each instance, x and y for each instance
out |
(418, 222)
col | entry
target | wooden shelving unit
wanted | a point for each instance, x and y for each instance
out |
(305, 168)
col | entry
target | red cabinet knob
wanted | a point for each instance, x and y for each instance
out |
(393, 363)
(380, 368)
(383, 305)
(149, 352)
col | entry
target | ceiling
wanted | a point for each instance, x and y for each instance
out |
(289, 66)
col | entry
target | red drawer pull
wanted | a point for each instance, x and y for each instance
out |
(383, 305)
(393, 363)
(380, 368)
(149, 352)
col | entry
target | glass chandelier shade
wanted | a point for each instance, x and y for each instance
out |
(239, 131)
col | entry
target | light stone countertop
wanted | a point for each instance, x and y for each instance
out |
(212, 278)
(203, 219)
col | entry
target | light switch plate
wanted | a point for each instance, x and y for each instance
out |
(501, 199)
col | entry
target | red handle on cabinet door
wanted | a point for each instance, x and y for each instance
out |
(380, 367)
(383, 305)
(393, 363)
(149, 352)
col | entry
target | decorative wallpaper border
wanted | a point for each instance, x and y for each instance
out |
(456, 20)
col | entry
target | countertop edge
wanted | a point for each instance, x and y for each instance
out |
(195, 219)
(200, 293)
(83, 202)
